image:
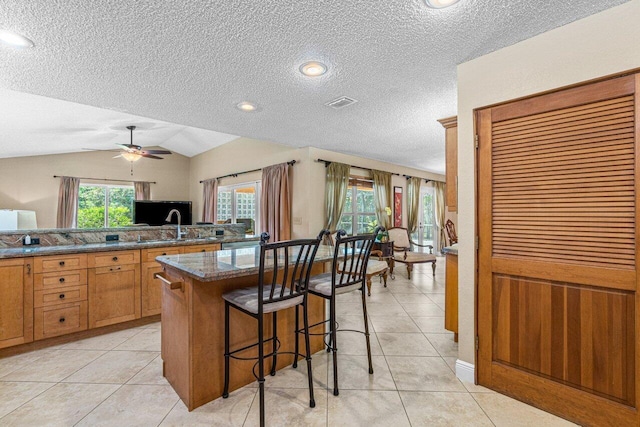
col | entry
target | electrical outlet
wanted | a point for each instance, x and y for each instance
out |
(32, 241)
(219, 232)
(113, 237)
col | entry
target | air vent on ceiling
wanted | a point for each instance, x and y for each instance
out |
(341, 102)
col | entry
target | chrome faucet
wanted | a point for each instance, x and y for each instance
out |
(180, 233)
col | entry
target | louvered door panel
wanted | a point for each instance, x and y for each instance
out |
(558, 307)
(563, 182)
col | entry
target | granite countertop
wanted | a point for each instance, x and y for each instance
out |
(115, 246)
(226, 264)
(453, 249)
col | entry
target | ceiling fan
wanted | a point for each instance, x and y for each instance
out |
(133, 153)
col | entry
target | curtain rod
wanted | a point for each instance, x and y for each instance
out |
(290, 163)
(425, 179)
(328, 162)
(104, 179)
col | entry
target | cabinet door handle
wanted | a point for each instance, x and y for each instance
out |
(61, 280)
(172, 285)
(164, 253)
(115, 258)
(61, 296)
(28, 268)
(114, 268)
(62, 319)
(61, 263)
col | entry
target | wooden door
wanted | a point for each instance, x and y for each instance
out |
(557, 263)
(16, 301)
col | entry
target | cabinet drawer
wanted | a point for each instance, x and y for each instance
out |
(60, 319)
(105, 259)
(55, 263)
(62, 295)
(63, 278)
(202, 248)
(149, 255)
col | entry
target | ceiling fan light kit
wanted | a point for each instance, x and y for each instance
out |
(440, 4)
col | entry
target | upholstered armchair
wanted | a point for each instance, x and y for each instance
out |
(403, 250)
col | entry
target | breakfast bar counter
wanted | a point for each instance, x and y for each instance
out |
(193, 321)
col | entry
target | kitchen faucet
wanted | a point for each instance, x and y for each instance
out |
(179, 234)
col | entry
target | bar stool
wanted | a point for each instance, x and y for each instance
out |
(348, 273)
(289, 263)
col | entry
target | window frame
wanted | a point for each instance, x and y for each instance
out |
(356, 182)
(107, 187)
(257, 184)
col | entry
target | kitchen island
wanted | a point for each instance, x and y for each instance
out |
(193, 321)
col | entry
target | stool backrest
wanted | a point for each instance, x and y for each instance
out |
(350, 259)
(290, 263)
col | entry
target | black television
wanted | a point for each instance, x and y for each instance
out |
(154, 212)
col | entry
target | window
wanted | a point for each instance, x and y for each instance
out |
(359, 215)
(105, 206)
(426, 234)
(239, 204)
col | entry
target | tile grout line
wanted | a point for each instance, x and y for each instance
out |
(20, 406)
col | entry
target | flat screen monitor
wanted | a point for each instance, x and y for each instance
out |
(154, 212)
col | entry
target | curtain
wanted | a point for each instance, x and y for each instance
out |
(438, 207)
(413, 203)
(142, 190)
(275, 203)
(210, 200)
(68, 202)
(335, 193)
(382, 197)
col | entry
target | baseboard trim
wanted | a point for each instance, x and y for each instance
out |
(465, 371)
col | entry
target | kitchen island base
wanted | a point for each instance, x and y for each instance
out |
(193, 335)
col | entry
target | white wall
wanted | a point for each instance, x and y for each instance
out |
(28, 182)
(600, 45)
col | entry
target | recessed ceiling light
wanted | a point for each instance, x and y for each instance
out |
(14, 39)
(247, 107)
(440, 4)
(313, 68)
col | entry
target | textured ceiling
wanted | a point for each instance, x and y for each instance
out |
(183, 65)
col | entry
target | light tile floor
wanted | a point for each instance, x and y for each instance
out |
(116, 379)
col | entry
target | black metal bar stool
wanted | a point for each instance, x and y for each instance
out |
(290, 263)
(348, 273)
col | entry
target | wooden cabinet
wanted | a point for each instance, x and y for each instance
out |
(202, 248)
(60, 295)
(152, 287)
(114, 287)
(47, 296)
(451, 295)
(16, 301)
(451, 149)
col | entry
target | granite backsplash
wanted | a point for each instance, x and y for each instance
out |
(63, 237)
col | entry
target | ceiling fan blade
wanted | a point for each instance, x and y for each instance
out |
(150, 156)
(156, 152)
(97, 149)
(129, 147)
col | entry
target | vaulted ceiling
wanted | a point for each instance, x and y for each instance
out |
(178, 69)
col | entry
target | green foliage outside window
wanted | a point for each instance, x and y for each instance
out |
(93, 201)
